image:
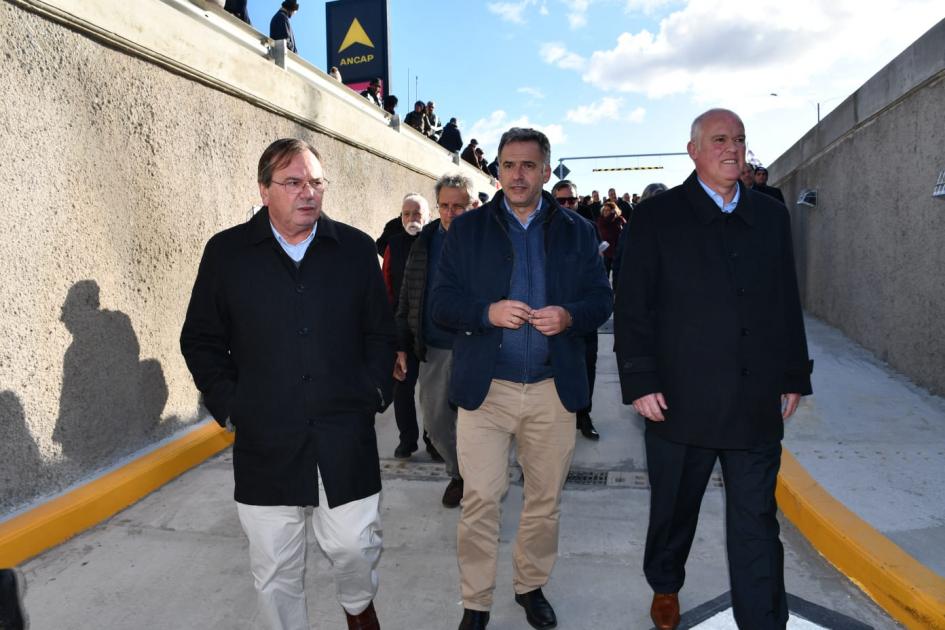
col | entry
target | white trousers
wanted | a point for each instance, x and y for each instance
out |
(349, 535)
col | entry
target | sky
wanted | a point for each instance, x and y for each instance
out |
(616, 77)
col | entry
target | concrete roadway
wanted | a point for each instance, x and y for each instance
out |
(178, 558)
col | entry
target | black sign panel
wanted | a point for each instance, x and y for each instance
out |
(357, 41)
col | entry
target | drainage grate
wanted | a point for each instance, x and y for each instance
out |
(581, 478)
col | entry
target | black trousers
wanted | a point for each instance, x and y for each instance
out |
(590, 359)
(678, 477)
(405, 406)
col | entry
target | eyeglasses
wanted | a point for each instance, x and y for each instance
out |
(453, 209)
(296, 186)
(566, 201)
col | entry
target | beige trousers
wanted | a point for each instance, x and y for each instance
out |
(544, 434)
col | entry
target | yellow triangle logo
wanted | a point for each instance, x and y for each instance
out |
(356, 35)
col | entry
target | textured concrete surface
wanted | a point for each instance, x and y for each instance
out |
(869, 255)
(876, 442)
(179, 559)
(118, 171)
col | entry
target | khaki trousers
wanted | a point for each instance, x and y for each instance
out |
(544, 434)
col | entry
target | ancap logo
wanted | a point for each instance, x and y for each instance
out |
(356, 35)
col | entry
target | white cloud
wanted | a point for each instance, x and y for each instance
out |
(608, 108)
(556, 54)
(577, 13)
(543, 9)
(532, 91)
(637, 115)
(511, 11)
(648, 7)
(489, 130)
(707, 50)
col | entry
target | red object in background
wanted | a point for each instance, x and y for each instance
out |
(360, 86)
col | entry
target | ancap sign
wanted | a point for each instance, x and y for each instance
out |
(357, 41)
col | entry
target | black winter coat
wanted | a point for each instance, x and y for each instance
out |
(409, 318)
(708, 313)
(298, 358)
(451, 139)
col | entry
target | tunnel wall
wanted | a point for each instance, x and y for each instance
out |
(130, 134)
(870, 255)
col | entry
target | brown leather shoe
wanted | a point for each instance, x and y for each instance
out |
(665, 611)
(366, 620)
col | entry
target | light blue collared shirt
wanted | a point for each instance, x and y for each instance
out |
(529, 218)
(719, 201)
(296, 252)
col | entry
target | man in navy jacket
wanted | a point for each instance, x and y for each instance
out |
(521, 284)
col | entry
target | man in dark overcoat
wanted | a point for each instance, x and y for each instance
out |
(712, 352)
(291, 340)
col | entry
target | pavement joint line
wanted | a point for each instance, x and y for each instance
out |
(906, 589)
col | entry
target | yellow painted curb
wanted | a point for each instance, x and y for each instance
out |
(47, 525)
(911, 593)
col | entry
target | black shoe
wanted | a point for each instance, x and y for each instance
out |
(474, 619)
(404, 451)
(586, 427)
(538, 611)
(12, 613)
(453, 493)
(434, 454)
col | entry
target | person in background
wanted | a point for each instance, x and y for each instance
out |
(469, 153)
(420, 336)
(238, 8)
(747, 176)
(415, 212)
(418, 118)
(373, 91)
(280, 26)
(761, 184)
(390, 104)
(610, 224)
(451, 139)
(651, 190)
(565, 193)
(335, 73)
(435, 127)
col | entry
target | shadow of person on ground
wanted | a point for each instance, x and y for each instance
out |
(21, 463)
(111, 401)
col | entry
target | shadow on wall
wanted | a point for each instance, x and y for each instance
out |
(111, 401)
(20, 459)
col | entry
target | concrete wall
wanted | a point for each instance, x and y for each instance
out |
(870, 254)
(131, 132)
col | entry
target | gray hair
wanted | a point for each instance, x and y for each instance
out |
(564, 183)
(456, 180)
(520, 134)
(420, 200)
(652, 190)
(695, 132)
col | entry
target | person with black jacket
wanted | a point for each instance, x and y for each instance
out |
(420, 336)
(238, 9)
(451, 139)
(290, 339)
(280, 27)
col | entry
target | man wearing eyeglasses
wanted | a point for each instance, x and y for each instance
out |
(420, 336)
(290, 339)
(565, 193)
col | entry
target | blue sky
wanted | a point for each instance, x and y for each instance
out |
(605, 77)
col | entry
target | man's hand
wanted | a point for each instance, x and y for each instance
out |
(400, 366)
(551, 320)
(509, 314)
(651, 406)
(789, 405)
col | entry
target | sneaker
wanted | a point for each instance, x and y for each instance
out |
(404, 451)
(12, 589)
(453, 493)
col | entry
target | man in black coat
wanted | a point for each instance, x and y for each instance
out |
(238, 8)
(280, 26)
(712, 352)
(761, 184)
(290, 339)
(451, 139)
